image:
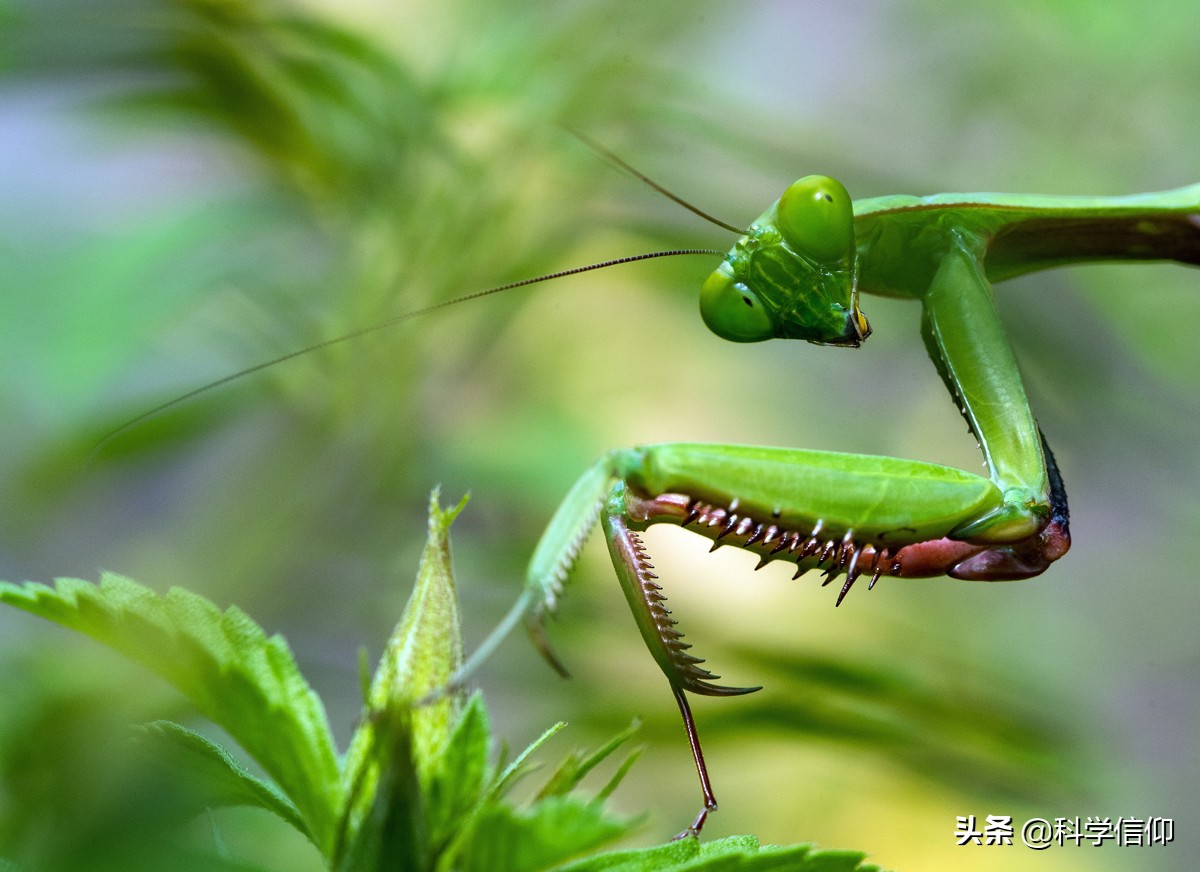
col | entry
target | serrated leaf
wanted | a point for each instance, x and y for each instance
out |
(733, 854)
(658, 857)
(745, 854)
(217, 777)
(223, 662)
(827, 861)
(504, 839)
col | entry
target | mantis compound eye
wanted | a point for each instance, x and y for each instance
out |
(732, 310)
(816, 217)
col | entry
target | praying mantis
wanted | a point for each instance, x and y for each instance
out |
(799, 271)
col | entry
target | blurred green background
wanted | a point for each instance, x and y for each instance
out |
(188, 187)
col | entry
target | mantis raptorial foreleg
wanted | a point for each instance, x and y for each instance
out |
(841, 513)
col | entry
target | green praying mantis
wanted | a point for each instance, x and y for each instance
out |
(799, 272)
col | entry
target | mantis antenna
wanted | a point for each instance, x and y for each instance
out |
(382, 325)
(425, 310)
(642, 177)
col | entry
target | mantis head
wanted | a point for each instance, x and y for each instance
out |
(792, 275)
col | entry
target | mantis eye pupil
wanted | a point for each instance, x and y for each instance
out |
(816, 216)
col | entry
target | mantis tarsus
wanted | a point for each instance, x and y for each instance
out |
(798, 272)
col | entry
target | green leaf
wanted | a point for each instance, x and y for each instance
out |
(554, 828)
(457, 786)
(575, 767)
(613, 783)
(733, 854)
(223, 662)
(217, 778)
(504, 839)
(384, 827)
(519, 767)
(659, 857)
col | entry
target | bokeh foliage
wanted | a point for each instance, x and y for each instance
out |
(193, 187)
